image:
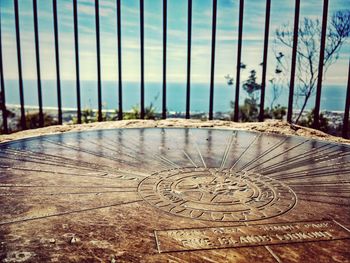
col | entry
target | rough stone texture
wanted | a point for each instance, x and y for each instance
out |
(174, 195)
(269, 126)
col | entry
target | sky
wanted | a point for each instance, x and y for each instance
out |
(226, 46)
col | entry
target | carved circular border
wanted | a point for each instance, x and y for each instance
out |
(262, 197)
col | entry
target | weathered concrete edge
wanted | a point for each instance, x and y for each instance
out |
(270, 126)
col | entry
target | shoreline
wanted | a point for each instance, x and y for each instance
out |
(69, 115)
(269, 126)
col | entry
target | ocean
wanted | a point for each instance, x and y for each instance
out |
(333, 97)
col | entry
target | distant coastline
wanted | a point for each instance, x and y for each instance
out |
(335, 118)
(332, 99)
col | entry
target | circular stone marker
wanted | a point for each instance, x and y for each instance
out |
(217, 194)
(177, 195)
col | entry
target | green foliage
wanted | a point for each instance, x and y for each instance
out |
(150, 113)
(277, 112)
(249, 110)
(250, 86)
(88, 116)
(33, 120)
(309, 120)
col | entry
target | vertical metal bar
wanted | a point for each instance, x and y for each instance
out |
(266, 45)
(77, 69)
(120, 90)
(294, 58)
(142, 97)
(212, 69)
(189, 42)
(99, 91)
(37, 53)
(239, 55)
(57, 54)
(19, 61)
(320, 66)
(347, 108)
(2, 91)
(164, 57)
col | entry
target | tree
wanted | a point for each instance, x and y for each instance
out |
(308, 50)
(249, 110)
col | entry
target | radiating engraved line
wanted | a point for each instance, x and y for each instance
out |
(273, 157)
(323, 202)
(308, 174)
(73, 147)
(47, 162)
(63, 173)
(70, 193)
(61, 186)
(273, 254)
(157, 242)
(300, 156)
(199, 152)
(189, 158)
(161, 158)
(95, 154)
(168, 160)
(240, 157)
(327, 168)
(269, 150)
(21, 220)
(344, 227)
(338, 190)
(145, 157)
(227, 150)
(305, 162)
(157, 156)
(340, 182)
(306, 153)
(76, 162)
(313, 153)
(320, 195)
(116, 151)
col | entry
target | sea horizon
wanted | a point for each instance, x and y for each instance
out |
(332, 99)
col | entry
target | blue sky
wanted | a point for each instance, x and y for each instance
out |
(227, 24)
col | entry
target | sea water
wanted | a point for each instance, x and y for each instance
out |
(333, 97)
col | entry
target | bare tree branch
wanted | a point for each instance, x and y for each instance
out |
(308, 50)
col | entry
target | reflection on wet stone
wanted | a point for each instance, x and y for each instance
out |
(143, 195)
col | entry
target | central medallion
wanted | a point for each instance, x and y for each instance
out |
(217, 194)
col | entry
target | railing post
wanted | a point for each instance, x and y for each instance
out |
(99, 88)
(316, 123)
(293, 65)
(142, 91)
(164, 57)
(347, 108)
(120, 88)
(19, 62)
(2, 90)
(266, 45)
(239, 55)
(77, 70)
(37, 53)
(189, 42)
(58, 77)
(212, 69)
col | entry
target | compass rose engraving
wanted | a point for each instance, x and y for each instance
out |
(217, 194)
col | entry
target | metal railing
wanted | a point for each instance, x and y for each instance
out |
(164, 89)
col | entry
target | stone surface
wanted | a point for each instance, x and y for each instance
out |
(174, 195)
